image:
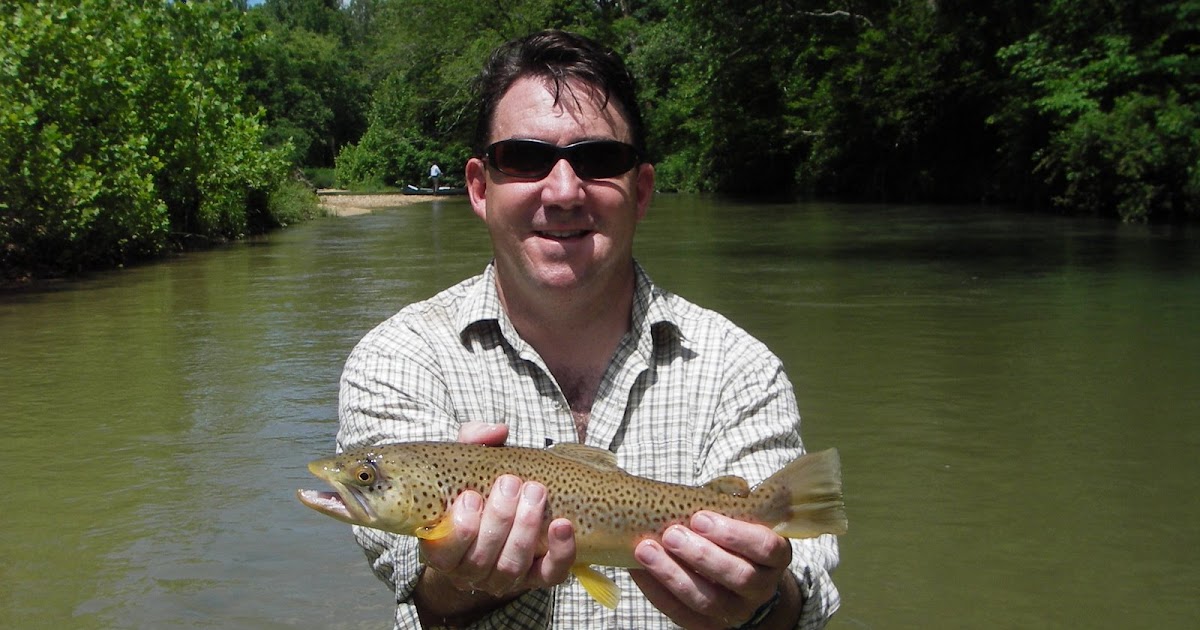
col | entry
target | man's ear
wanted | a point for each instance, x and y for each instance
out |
(477, 186)
(644, 188)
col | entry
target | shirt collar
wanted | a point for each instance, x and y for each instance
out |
(651, 309)
(482, 303)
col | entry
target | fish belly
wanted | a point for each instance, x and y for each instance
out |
(608, 553)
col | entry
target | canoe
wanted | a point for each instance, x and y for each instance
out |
(409, 189)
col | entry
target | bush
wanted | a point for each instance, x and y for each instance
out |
(321, 177)
(292, 202)
(1136, 160)
(123, 132)
(387, 158)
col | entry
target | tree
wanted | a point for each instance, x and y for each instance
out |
(1111, 90)
(423, 58)
(311, 88)
(123, 131)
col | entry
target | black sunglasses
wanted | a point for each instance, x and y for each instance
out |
(534, 159)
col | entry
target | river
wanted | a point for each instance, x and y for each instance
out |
(1016, 399)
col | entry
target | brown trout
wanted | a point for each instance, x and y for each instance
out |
(407, 489)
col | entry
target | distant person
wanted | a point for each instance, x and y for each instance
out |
(565, 338)
(435, 174)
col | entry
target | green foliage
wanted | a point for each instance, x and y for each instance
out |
(1111, 90)
(1138, 159)
(386, 157)
(307, 78)
(292, 202)
(123, 132)
(67, 192)
(128, 128)
(320, 177)
(422, 58)
(312, 16)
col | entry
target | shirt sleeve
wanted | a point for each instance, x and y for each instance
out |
(756, 433)
(392, 390)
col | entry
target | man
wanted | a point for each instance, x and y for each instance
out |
(564, 338)
(435, 175)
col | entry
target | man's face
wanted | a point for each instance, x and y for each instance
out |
(560, 231)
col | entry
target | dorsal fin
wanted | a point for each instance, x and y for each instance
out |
(584, 454)
(730, 484)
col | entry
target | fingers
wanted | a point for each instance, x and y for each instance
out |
(717, 571)
(503, 548)
(467, 510)
(483, 433)
(683, 595)
(520, 515)
(753, 543)
(555, 566)
(446, 554)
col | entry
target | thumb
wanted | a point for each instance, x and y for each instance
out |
(483, 433)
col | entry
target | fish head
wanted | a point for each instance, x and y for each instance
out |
(367, 491)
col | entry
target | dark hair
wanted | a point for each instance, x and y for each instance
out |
(558, 57)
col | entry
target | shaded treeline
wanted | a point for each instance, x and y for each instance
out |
(127, 126)
(1080, 106)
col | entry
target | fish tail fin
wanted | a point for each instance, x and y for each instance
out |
(598, 585)
(804, 499)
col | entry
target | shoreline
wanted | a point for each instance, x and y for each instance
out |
(340, 203)
(337, 203)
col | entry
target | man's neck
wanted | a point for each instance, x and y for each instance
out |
(572, 319)
(576, 333)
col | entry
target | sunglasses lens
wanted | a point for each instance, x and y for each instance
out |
(523, 158)
(601, 159)
(534, 159)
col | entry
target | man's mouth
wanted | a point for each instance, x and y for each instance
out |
(562, 235)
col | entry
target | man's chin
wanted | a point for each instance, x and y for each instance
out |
(560, 278)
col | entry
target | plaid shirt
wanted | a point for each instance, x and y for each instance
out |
(688, 397)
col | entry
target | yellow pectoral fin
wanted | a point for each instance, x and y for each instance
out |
(441, 530)
(597, 585)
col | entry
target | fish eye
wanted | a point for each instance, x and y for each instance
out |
(365, 474)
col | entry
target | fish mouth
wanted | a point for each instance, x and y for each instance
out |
(346, 504)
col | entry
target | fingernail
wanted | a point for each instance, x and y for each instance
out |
(648, 553)
(533, 492)
(509, 486)
(471, 502)
(702, 523)
(562, 532)
(674, 538)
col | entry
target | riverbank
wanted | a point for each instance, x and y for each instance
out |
(344, 204)
(333, 201)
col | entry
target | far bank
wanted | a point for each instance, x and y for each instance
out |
(344, 204)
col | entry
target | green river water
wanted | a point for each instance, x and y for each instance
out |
(1016, 399)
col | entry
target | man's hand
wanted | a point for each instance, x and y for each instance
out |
(497, 549)
(717, 572)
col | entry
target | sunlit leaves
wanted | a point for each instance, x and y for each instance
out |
(122, 127)
(1114, 86)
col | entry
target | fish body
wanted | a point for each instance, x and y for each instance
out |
(408, 488)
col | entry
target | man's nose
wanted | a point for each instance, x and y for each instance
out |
(561, 185)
